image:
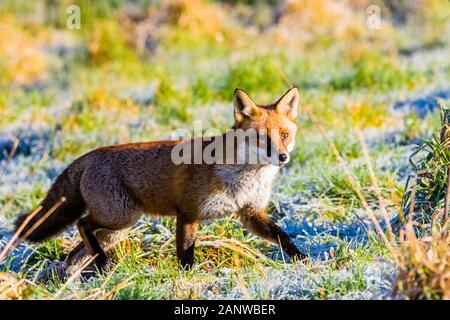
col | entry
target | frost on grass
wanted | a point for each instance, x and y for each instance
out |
(24, 141)
(18, 257)
(423, 103)
(15, 185)
(23, 179)
(297, 281)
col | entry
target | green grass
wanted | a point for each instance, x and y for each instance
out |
(374, 71)
(348, 83)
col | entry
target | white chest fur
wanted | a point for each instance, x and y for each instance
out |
(244, 186)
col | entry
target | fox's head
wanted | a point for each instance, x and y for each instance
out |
(274, 124)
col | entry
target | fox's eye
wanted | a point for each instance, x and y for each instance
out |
(284, 136)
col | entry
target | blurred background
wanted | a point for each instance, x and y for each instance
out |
(175, 58)
(75, 75)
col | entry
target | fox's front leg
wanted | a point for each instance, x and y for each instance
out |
(185, 239)
(257, 221)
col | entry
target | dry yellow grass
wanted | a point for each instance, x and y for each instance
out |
(424, 268)
(21, 58)
(11, 288)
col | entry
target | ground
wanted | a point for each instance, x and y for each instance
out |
(368, 97)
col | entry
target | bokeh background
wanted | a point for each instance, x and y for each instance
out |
(369, 74)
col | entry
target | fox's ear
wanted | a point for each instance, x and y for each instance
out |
(288, 103)
(244, 106)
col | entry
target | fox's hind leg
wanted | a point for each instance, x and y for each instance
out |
(107, 239)
(87, 230)
(111, 206)
(79, 255)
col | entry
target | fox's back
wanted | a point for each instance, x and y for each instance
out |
(145, 170)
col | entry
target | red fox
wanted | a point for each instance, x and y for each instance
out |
(110, 187)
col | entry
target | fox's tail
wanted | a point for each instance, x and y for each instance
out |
(62, 206)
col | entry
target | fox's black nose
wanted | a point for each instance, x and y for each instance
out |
(283, 157)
